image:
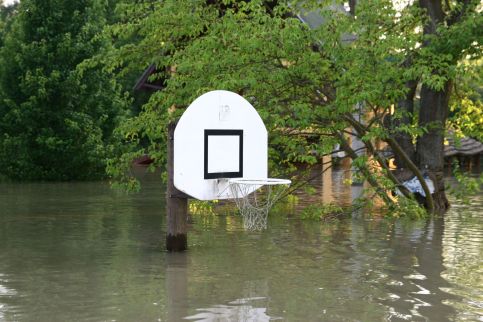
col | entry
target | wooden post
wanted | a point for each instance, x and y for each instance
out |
(176, 205)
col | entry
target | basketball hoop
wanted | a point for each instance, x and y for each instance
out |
(255, 197)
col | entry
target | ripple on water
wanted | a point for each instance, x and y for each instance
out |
(243, 309)
(463, 253)
(76, 252)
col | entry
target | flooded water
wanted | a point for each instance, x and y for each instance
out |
(82, 252)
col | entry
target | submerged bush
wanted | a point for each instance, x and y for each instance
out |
(323, 212)
(201, 207)
(406, 208)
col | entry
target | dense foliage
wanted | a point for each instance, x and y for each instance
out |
(56, 121)
(348, 76)
(466, 113)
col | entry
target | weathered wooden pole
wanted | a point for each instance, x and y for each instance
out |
(176, 205)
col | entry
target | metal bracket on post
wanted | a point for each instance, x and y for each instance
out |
(179, 194)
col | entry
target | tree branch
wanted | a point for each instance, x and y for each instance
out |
(380, 159)
(353, 155)
(397, 149)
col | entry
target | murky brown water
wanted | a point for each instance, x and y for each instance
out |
(81, 252)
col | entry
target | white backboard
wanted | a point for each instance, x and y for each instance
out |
(219, 136)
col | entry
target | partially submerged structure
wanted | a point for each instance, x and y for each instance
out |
(466, 151)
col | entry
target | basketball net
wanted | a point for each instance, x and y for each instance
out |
(255, 198)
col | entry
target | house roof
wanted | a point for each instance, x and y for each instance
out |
(465, 146)
(314, 19)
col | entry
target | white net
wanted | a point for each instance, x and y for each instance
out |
(254, 198)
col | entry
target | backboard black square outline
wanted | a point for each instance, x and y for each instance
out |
(218, 175)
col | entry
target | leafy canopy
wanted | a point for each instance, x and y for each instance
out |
(312, 87)
(56, 121)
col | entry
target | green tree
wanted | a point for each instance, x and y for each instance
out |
(56, 121)
(466, 104)
(310, 85)
(6, 16)
(452, 32)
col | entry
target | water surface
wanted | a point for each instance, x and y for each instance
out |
(82, 252)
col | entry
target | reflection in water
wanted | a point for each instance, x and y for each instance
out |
(416, 275)
(83, 252)
(464, 265)
(238, 310)
(4, 291)
(177, 285)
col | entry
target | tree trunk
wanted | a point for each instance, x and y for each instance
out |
(406, 108)
(352, 7)
(433, 113)
(430, 146)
